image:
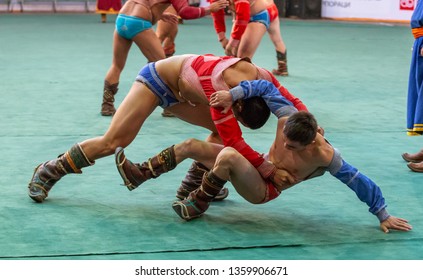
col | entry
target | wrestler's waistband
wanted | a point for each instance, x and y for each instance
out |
(417, 32)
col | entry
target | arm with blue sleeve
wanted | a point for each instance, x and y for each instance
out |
(277, 103)
(365, 189)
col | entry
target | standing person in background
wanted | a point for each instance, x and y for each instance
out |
(167, 31)
(415, 89)
(252, 19)
(105, 7)
(134, 24)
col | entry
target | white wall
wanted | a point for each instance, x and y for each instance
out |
(396, 10)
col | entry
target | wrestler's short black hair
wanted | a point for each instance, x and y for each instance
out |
(255, 112)
(301, 127)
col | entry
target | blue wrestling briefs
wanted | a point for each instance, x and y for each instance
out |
(129, 26)
(262, 17)
(148, 76)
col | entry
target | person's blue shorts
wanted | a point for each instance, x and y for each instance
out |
(148, 76)
(262, 17)
(129, 26)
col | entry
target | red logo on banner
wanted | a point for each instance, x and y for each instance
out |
(406, 4)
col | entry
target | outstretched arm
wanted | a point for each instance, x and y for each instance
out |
(367, 191)
(186, 11)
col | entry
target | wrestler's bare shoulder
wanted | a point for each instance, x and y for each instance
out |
(324, 150)
(240, 71)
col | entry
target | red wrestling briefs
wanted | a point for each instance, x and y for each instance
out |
(273, 12)
(271, 192)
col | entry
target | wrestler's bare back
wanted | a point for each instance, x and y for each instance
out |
(170, 68)
(300, 164)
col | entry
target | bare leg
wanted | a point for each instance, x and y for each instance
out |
(166, 32)
(280, 47)
(134, 174)
(125, 125)
(194, 176)
(276, 37)
(121, 48)
(251, 39)
(230, 165)
(149, 45)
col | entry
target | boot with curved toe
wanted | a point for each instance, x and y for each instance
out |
(109, 92)
(192, 181)
(416, 166)
(282, 60)
(199, 200)
(134, 174)
(48, 173)
(417, 157)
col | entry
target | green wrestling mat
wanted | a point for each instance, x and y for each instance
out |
(353, 77)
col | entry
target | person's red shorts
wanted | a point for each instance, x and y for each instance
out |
(271, 192)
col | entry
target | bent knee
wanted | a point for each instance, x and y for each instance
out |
(228, 156)
(190, 144)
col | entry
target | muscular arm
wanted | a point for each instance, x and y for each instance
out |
(186, 11)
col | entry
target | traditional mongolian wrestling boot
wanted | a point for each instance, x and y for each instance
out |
(417, 157)
(134, 174)
(109, 92)
(416, 166)
(199, 200)
(192, 181)
(282, 64)
(48, 173)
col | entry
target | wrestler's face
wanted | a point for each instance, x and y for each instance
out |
(293, 145)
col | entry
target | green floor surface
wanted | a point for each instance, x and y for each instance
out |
(353, 77)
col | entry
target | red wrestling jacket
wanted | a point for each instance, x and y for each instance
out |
(242, 17)
(226, 124)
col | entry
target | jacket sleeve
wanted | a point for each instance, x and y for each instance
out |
(219, 20)
(277, 103)
(365, 189)
(242, 17)
(231, 134)
(186, 11)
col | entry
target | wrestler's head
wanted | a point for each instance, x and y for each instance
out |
(300, 130)
(252, 112)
